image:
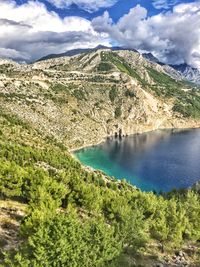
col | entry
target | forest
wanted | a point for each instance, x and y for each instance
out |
(75, 217)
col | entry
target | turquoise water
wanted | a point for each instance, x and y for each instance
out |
(160, 160)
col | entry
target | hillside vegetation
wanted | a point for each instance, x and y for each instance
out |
(80, 218)
(102, 93)
(54, 212)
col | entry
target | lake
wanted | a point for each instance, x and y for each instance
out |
(160, 160)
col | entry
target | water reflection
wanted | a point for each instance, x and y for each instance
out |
(159, 160)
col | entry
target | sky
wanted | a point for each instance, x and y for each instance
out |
(169, 29)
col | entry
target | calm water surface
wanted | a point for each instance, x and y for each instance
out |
(160, 160)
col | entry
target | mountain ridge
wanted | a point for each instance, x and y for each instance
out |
(78, 51)
(190, 73)
(184, 71)
(107, 92)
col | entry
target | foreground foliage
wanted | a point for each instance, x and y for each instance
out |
(81, 218)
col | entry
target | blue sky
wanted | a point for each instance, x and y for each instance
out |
(116, 11)
(169, 29)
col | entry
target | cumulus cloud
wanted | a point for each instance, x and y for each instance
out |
(89, 5)
(30, 31)
(174, 37)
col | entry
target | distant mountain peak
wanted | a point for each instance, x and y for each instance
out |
(184, 70)
(190, 73)
(151, 57)
(102, 47)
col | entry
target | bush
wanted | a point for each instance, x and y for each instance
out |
(118, 112)
(113, 94)
(79, 94)
(129, 93)
(104, 66)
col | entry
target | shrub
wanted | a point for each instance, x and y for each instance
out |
(118, 112)
(113, 94)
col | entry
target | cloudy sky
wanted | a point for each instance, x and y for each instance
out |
(170, 29)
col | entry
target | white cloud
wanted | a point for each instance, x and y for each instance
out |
(12, 53)
(89, 5)
(165, 4)
(30, 31)
(174, 37)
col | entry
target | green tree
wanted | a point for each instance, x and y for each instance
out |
(11, 179)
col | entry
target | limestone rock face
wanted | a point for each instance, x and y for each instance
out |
(83, 99)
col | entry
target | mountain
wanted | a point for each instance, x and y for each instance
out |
(74, 52)
(175, 74)
(56, 212)
(189, 73)
(78, 51)
(179, 72)
(104, 90)
(182, 71)
(69, 53)
(150, 57)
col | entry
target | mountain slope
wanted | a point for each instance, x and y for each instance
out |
(78, 51)
(54, 212)
(189, 73)
(102, 93)
(179, 72)
(151, 57)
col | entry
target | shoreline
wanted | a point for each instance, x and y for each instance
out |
(195, 186)
(71, 151)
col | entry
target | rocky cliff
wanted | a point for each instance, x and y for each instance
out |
(83, 99)
(188, 72)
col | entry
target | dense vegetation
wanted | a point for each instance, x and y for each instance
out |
(104, 66)
(80, 218)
